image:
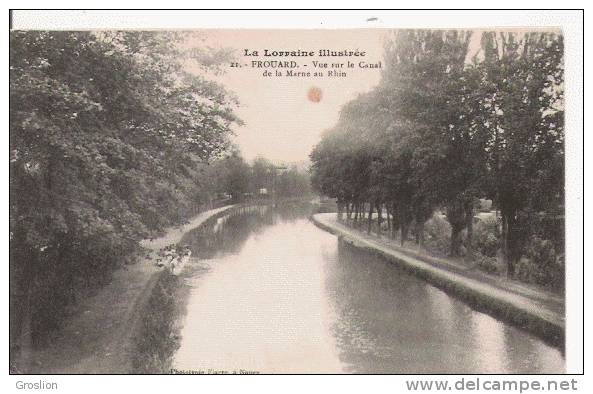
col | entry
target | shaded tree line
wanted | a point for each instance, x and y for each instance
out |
(110, 141)
(234, 178)
(446, 127)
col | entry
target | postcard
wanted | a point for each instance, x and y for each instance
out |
(375, 200)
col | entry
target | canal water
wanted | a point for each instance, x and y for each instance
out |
(279, 295)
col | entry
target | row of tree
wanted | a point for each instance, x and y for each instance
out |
(234, 178)
(445, 127)
(110, 141)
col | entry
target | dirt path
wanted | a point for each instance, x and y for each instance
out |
(97, 339)
(539, 311)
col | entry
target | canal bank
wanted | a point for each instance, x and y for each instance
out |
(274, 293)
(536, 311)
(101, 336)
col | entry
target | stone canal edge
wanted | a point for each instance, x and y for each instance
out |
(535, 311)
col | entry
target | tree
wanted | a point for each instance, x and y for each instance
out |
(233, 175)
(108, 138)
(443, 130)
(263, 174)
(523, 97)
(433, 89)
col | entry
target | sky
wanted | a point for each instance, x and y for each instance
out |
(281, 123)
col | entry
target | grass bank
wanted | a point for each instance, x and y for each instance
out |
(156, 338)
(102, 334)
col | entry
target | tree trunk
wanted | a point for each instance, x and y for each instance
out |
(456, 216)
(388, 219)
(404, 233)
(419, 232)
(379, 218)
(23, 262)
(507, 233)
(404, 224)
(455, 239)
(469, 216)
(394, 221)
(370, 218)
(360, 214)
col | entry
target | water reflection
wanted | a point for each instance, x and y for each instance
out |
(285, 296)
(227, 234)
(388, 321)
(263, 307)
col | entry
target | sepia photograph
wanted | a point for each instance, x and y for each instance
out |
(287, 201)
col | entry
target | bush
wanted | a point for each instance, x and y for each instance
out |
(486, 237)
(487, 263)
(541, 264)
(157, 337)
(438, 233)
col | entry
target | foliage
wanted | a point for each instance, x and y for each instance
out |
(108, 140)
(487, 237)
(541, 264)
(157, 336)
(523, 100)
(442, 130)
(487, 263)
(234, 177)
(437, 231)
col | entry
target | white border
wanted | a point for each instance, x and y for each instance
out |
(284, 19)
(569, 21)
